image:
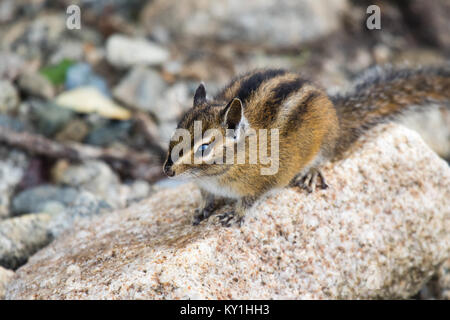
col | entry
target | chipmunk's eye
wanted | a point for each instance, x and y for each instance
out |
(204, 147)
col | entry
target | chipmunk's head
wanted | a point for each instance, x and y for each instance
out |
(198, 147)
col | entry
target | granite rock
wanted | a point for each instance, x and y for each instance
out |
(380, 231)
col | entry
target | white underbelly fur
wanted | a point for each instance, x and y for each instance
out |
(211, 185)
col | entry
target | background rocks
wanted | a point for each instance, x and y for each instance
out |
(376, 233)
(9, 99)
(13, 164)
(21, 237)
(5, 277)
(275, 23)
(122, 51)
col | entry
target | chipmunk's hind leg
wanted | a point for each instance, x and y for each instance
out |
(309, 180)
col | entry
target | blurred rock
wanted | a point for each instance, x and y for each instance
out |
(166, 130)
(439, 285)
(65, 205)
(137, 190)
(273, 23)
(11, 123)
(175, 101)
(69, 49)
(443, 280)
(81, 74)
(375, 233)
(21, 237)
(93, 176)
(434, 128)
(75, 130)
(91, 100)
(5, 277)
(44, 198)
(11, 65)
(8, 9)
(429, 21)
(106, 134)
(84, 206)
(36, 84)
(142, 88)
(9, 98)
(48, 117)
(123, 51)
(13, 164)
(33, 39)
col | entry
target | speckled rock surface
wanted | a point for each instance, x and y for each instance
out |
(379, 231)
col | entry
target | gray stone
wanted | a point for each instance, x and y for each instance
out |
(93, 176)
(137, 190)
(11, 123)
(434, 127)
(42, 197)
(13, 164)
(11, 65)
(67, 49)
(8, 9)
(143, 88)
(9, 98)
(377, 232)
(37, 85)
(123, 51)
(21, 237)
(48, 117)
(84, 206)
(109, 132)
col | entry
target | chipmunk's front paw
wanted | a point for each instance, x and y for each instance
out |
(229, 218)
(309, 181)
(200, 215)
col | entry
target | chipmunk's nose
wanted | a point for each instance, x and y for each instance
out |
(168, 168)
(169, 172)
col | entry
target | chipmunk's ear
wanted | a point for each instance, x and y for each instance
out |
(200, 95)
(233, 114)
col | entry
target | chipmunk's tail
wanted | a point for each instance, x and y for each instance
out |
(384, 93)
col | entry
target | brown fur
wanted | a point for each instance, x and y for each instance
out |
(313, 127)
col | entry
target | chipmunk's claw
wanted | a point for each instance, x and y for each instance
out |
(226, 219)
(309, 180)
(200, 215)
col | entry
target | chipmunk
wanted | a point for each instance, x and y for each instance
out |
(312, 128)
